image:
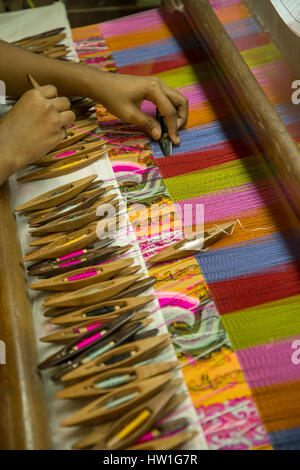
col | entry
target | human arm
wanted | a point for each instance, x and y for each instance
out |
(122, 95)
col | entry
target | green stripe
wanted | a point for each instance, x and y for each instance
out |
(187, 75)
(226, 175)
(197, 73)
(261, 55)
(260, 325)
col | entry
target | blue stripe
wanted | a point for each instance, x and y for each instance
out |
(237, 29)
(208, 134)
(289, 113)
(220, 265)
(153, 50)
(287, 439)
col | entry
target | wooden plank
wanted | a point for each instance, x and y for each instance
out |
(24, 419)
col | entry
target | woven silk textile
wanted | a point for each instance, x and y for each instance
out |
(253, 274)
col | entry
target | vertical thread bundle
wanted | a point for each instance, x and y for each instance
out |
(253, 276)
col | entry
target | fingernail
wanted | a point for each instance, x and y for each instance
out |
(156, 134)
(177, 140)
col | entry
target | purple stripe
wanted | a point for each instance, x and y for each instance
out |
(140, 21)
(271, 364)
(196, 94)
(217, 4)
(227, 205)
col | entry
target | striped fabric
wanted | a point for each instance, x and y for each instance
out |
(252, 275)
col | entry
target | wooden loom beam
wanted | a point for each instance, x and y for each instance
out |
(285, 39)
(24, 420)
(276, 141)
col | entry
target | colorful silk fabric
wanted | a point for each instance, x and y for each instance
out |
(252, 275)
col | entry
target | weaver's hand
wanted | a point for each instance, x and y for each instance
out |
(33, 127)
(123, 96)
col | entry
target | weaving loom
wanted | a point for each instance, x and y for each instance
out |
(253, 275)
(236, 332)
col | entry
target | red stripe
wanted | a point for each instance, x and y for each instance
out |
(245, 292)
(163, 64)
(194, 161)
(252, 40)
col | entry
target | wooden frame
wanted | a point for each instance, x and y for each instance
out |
(24, 420)
(282, 36)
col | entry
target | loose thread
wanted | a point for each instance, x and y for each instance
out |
(104, 138)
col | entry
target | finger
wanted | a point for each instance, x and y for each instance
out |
(171, 122)
(158, 96)
(48, 91)
(63, 133)
(67, 117)
(181, 104)
(61, 104)
(148, 123)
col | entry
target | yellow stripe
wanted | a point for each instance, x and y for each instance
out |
(71, 164)
(134, 424)
(72, 241)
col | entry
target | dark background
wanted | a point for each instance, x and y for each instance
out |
(84, 12)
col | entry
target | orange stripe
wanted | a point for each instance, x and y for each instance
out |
(277, 94)
(278, 405)
(206, 112)
(86, 31)
(139, 38)
(268, 218)
(233, 13)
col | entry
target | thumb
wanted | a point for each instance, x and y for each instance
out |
(148, 123)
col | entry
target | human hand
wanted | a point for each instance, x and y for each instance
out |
(33, 127)
(123, 96)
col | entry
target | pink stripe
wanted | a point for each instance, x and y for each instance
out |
(271, 364)
(217, 4)
(196, 95)
(271, 73)
(88, 328)
(124, 167)
(132, 24)
(231, 204)
(114, 142)
(69, 263)
(70, 255)
(145, 438)
(87, 341)
(198, 92)
(250, 41)
(65, 154)
(88, 273)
